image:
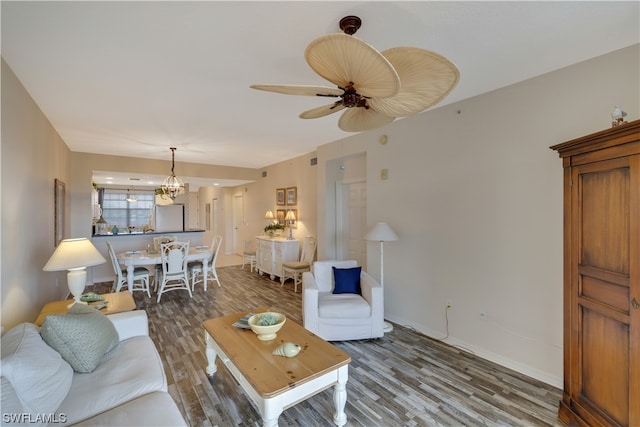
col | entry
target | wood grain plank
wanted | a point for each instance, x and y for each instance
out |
(401, 379)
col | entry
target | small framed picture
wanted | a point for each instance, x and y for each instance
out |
(280, 200)
(280, 214)
(292, 196)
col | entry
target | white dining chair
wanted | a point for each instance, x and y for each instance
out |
(174, 268)
(140, 275)
(157, 241)
(196, 267)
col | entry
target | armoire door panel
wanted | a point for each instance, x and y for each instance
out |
(604, 369)
(612, 295)
(604, 213)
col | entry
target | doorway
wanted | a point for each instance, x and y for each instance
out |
(238, 220)
(351, 220)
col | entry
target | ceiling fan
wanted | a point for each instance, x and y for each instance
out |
(374, 87)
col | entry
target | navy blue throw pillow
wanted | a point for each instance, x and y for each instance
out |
(346, 280)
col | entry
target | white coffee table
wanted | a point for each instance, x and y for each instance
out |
(275, 383)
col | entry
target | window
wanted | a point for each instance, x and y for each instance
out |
(117, 211)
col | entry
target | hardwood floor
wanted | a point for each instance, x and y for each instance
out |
(402, 379)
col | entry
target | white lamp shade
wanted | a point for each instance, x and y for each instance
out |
(74, 253)
(381, 232)
(290, 216)
(269, 214)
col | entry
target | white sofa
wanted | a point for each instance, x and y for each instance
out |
(341, 317)
(127, 388)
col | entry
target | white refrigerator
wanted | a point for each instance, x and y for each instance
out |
(169, 218)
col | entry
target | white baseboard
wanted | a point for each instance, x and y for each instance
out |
(483, 353)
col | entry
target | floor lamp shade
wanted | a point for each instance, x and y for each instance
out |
(381, 232)
(74, 255)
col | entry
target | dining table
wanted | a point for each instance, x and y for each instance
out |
(137, 258)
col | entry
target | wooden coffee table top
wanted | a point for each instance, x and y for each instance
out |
(268, 374)
(118, 302)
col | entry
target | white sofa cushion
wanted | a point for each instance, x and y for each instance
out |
(11, 407)
(342, 306)
(131, 370)
(155, 409)
(38, 374)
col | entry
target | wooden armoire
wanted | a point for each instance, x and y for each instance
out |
(602, 278)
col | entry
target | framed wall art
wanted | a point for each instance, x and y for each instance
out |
(292, 196)
(280, 196)
(280, 214)
(58, 211)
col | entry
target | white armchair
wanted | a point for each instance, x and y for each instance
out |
(341, 317)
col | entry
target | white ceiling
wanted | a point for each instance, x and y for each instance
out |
(134, 78)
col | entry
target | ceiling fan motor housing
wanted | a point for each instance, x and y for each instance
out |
(350, 24)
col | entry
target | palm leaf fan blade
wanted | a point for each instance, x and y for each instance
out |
(305, 90)
(343, 59)
(427, 78)
(361, 119)
(325, 110)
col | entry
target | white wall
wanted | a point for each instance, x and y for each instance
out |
(33, 156)
(260, 196)
(475, 194)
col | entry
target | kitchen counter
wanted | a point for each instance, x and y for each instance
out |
(150, 233)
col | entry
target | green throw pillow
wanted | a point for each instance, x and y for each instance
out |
(82, 336)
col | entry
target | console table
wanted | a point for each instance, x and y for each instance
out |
(271, 252)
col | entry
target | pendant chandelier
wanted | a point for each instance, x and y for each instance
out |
(172, 185)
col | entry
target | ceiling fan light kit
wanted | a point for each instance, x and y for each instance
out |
(374, 87)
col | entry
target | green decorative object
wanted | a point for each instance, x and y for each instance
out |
(274, 229)
(268, 319)
(91, 297)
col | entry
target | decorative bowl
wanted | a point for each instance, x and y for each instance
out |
(266, 332)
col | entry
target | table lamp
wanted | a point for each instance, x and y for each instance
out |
(291, 217)
(74, 255)
(381, 232)
(269, 215)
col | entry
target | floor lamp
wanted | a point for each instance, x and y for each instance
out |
(381, 232)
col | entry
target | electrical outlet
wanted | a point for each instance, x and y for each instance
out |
(483, 314)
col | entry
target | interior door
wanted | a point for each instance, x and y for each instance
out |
(215, 227)
(605, 318)
(351, 221)
(238, 221)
